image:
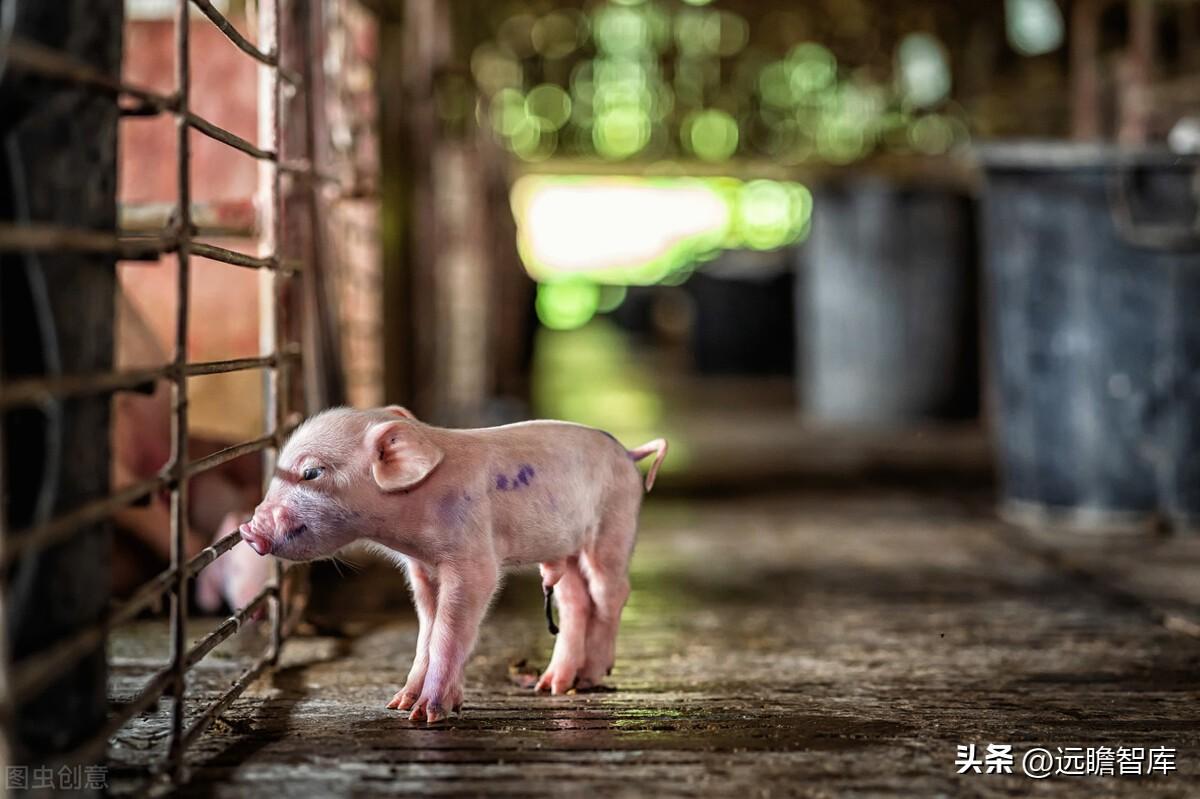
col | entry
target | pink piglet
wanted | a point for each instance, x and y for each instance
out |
(457, 507)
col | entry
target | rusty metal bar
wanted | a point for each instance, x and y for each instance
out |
(179, 421)
(225, 700)
(39, 390)
(40, 60)
(234, 365)
(226, 455)
(161, 680)
(233, 257)
(154, 590)
(228, 627)
(22, 541)
(224, 218)
(225, 137)
(48, 63)
(55, 238)
(37, 671)
(271, 285)
(231, 32)
(44, 535)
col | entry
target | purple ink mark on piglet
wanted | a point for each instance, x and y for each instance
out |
(522, 478)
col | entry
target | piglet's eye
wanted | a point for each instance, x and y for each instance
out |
(312, 472)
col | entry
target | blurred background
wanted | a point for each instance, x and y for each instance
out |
(739, 225)
(882, 263)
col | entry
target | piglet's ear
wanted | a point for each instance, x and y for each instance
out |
(401, 455)
(401, 411)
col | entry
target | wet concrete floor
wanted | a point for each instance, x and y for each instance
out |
(812, 643)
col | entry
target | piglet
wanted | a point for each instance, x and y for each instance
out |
(456, 507)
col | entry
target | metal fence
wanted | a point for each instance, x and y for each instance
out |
(24, 679)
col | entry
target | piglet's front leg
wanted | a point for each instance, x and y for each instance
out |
(464, 591)
(424, 591)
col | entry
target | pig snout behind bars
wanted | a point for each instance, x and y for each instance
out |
(220, 499)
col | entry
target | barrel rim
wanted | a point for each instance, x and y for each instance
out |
(1050, 154)
(1085, 520)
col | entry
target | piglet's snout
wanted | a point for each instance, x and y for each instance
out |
(259, 543)
(271, 524)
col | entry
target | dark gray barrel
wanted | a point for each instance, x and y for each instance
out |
(1093, 296)
(886, 295)
(744, 317)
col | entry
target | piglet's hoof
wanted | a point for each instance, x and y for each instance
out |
(403, 700)
(432, 709)
(557, 679)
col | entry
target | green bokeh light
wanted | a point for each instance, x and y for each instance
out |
(733, 33)
(558, 34)
(621, 132)
(772, 214)
(651, 79)
(549, 105)
(932, 134)
(811, 68)
(508, 111)
(621, 30)
(760, 214)
(567, 304)
(711, 134)
(697, 32)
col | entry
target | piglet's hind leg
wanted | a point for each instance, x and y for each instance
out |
(606, 568)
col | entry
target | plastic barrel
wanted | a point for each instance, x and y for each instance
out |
(887, 299)
(744, 318)
(1093, 310)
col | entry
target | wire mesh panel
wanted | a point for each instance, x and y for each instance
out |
(281, 268)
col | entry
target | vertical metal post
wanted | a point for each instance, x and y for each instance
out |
(179, 418)
(1134, 99)
(271, 281)
(7, 710)
(327, 385)
(1085, 69)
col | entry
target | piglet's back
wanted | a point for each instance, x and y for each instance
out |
(548, 483)
(575, 449)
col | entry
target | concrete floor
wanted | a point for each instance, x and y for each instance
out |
(786, 643)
